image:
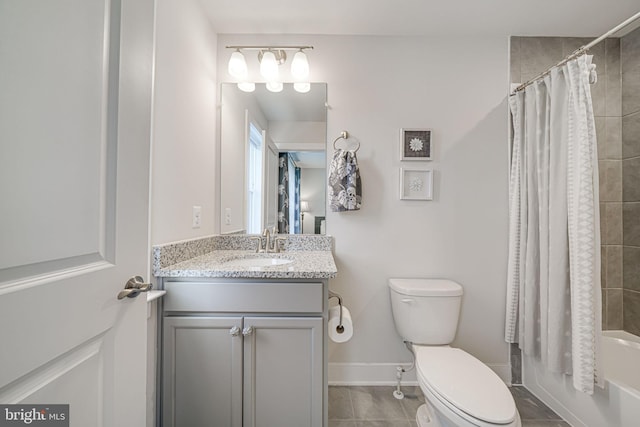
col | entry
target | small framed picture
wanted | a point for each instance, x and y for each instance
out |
(415, 144)
(416, 184)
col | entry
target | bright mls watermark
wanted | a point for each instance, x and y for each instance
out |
(34, 415)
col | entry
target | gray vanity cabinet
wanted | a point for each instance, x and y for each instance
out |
(202, 372)
(234, 361)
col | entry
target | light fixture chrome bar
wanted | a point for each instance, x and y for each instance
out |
(269, 47)
(580, 51)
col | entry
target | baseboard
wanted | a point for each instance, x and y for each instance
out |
(384, 374)
(369, 374)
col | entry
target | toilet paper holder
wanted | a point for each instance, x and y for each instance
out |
(339, 328)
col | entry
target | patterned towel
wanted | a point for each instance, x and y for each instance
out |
(345, 186)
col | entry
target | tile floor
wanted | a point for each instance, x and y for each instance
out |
(376, 407)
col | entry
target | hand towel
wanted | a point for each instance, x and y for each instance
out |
(345, 186)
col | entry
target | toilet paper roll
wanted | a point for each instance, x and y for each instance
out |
(334, 321)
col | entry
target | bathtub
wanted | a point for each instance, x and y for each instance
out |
(616, 405)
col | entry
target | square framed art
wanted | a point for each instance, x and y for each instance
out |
(416, 184)
(416, 144)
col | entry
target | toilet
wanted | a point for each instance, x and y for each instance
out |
(460, 391)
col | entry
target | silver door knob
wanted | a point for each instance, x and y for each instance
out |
(235, 331)
(134, 286)
(247, 331)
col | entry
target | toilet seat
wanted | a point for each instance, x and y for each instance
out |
(465, 385)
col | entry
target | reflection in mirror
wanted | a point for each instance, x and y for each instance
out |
(273, 159)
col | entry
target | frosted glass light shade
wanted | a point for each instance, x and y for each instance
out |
(302, 87)
(300, 66)
(269, 66)
(247, 86)
(274, 86)
(237, 65)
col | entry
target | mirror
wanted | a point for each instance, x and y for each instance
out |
(273, 159)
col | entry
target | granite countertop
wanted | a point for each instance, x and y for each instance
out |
(311, 258)
(304, 265)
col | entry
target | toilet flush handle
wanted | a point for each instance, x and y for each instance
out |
(407, 300)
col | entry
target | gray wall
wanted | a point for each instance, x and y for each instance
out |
(616, 101)
(630, 60)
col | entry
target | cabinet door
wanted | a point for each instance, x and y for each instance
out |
(283, 371)
(202, 372)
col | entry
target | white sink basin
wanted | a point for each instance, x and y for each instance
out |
(256, 262)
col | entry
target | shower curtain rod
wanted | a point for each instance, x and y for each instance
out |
(578, 52)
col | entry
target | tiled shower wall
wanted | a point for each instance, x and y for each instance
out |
(630, 66)
(533, 55)
(616, 104)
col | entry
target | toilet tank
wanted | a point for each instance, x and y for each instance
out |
(426, 311)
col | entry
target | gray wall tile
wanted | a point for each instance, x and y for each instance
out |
(610, 180)
(514, 59)
(630, 224)
(631, 180)
(601, 137)
(539, 53)
(612, 137)
(631, 135)
(630, 51)
(612, 56)
(599, 97)
(631, 312)
(605, 327)
(631, 267)
(614, 265)
(603, 257)
(614, 309)
(630, 91)
(613, 102)
(611, 223)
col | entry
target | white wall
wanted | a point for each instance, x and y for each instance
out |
(457, 87)
(184, 132)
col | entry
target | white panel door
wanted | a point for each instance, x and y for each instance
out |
(75, 115)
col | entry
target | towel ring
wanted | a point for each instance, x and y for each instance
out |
(344, 135)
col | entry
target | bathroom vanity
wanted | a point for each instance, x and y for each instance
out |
(244, 338)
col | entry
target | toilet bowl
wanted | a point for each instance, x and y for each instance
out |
(460, 391)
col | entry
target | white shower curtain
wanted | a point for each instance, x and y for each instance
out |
(553, 293)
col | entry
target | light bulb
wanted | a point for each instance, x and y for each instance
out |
(302, 87)
(274, 86)
(237, 65)
(269, 66)
(300, 66)
(247, 86)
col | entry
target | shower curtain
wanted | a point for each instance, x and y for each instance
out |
(553, 289)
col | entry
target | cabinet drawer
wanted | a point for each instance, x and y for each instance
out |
(244, 297)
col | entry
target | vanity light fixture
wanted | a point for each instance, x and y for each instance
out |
(270, 58)
(238, 65)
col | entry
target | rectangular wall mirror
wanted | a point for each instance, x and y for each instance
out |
(273, 160)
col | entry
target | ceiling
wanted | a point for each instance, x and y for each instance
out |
(579, 18)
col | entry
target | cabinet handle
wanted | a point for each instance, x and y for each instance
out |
(247, 331)
(235, 331)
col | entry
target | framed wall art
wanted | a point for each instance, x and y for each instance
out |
(416, 184)
(415, 144)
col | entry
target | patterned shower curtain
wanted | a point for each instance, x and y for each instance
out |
(553, 277)
(283, 193)
(297, 229)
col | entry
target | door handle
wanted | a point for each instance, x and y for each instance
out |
(134, 286)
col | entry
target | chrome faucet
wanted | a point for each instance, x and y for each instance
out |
(267, 243)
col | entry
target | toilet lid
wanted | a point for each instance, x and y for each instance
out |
(465, 383)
